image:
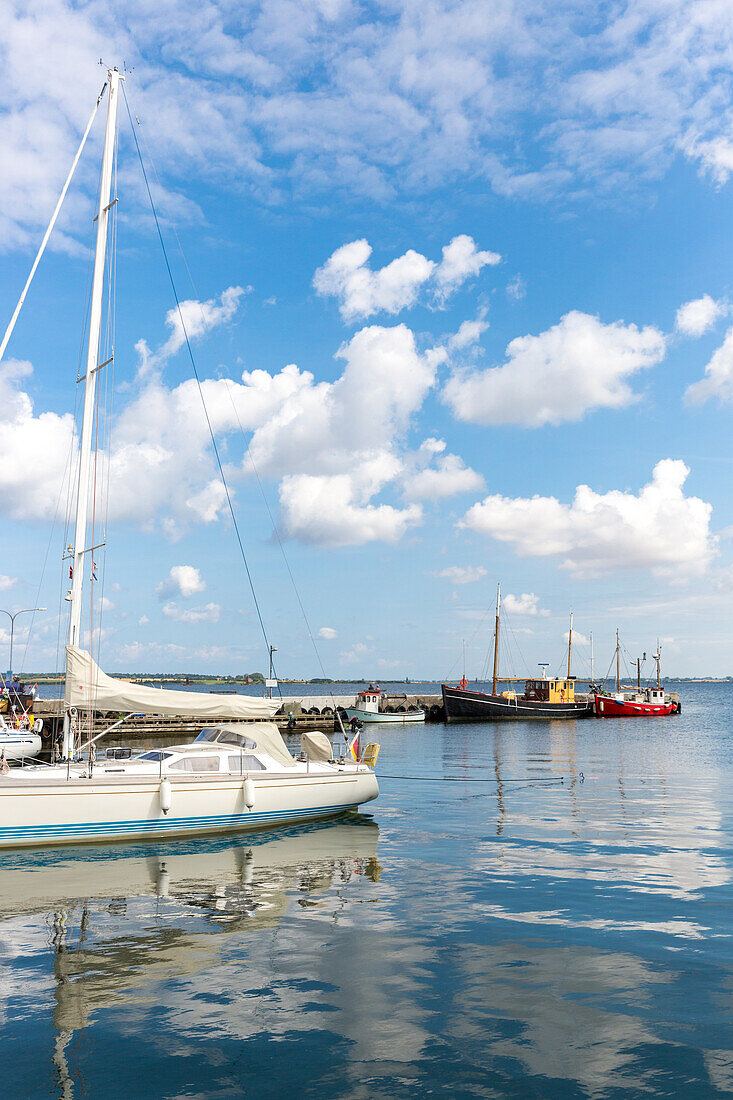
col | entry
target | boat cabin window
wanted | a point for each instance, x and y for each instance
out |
(195, 764)
(208, 735)
(157, 756)
(246, 763)
(226, 737)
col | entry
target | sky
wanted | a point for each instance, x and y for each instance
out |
(457, 282)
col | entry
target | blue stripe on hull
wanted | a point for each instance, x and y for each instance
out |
(99, 830)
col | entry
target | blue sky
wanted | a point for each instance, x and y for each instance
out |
(462, 275)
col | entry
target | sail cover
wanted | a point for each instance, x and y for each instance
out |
(88, 688)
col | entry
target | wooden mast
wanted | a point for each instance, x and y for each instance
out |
(496, 640)
(570, 642)
(618, 666)
(638, 673)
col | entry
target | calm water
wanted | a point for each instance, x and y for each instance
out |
(565, 935)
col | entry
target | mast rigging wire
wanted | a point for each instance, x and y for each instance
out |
(196, 375)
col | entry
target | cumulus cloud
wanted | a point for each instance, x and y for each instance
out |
(462, 260)
(462, 574)
(333, 435)
(698, 316)
(363, 292)
(328, 633)
(578, 638)
(34, 450)
(577, 365)
(334, 510)
(718, 380)
(194, 319)
(526, 604)
(183, 580)
(7, 582)
(449, 476)
(659, 528)
(469, 332)
(209, 613)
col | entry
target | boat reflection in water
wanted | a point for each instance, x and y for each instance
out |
(121, 921)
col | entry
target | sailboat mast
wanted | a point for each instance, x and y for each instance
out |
(570, 642)
(80, 548)
(496, 640)
(618, 665)
(659, 665)
(592, 677)
(90, 378)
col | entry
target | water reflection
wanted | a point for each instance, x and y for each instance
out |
(512, 938)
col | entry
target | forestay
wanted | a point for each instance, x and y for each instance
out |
(89, 688)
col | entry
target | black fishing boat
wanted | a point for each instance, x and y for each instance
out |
(544, 698)
(541, 699)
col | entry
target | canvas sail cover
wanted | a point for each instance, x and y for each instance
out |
(265, 737)
(88, 688)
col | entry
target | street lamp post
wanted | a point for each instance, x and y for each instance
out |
(23, 611)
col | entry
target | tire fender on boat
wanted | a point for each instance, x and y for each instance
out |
(248, 791)
(165, 794)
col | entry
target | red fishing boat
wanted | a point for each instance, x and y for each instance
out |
(649, 702)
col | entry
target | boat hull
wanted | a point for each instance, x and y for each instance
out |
(20, 745)
(79, 810)
(462, 705)
(400, 718)
(609, 707)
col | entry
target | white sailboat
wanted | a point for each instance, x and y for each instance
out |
(234, 777)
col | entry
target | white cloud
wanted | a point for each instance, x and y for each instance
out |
(469, 332)
(450, 476)
(209, 613)
(718, 380)
(194, 319)
(363, 292)
(659, 528)
(461, 261)
(577, 365)
(578, 638)
(380, 102)
(462, 574)
(183, 580)
(7, 582)
(143, 620)
(162, 476)
(516, 288)
(698, 316)
(358, 652)
(526, 604)
(105, 604)
(333, 510)
(34, 450)
(328, 633)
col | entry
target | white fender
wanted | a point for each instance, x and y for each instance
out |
(165, 794)
(249, 793)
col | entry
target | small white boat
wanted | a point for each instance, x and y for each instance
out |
(229, 779)
(367, 709)
(20, 739)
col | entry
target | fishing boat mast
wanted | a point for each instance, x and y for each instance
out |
(496, 640)
(570, 642)
(78, 551)
(618, 664)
